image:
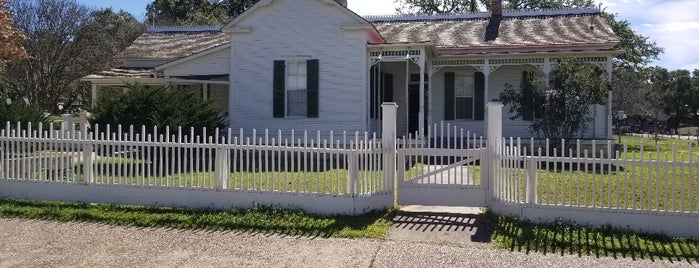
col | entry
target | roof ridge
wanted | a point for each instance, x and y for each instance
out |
(186, 28)
(485, 15)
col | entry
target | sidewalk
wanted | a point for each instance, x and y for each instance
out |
(418, 239)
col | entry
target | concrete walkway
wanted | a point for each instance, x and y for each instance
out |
(443, 238)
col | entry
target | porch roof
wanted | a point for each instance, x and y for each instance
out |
(174, 42)
(550, 30)
(124, 73)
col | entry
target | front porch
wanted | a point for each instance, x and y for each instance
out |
(434, 91)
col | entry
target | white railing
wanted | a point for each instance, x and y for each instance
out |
(266, 162)
(594, 175)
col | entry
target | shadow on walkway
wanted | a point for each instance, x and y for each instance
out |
(441, 227)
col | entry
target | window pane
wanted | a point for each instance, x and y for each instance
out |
(291, 68)
(302, 68)
(296, 102)
(464, 107)
(301, 82)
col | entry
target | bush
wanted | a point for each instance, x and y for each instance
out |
(149, 106)
(18, 111)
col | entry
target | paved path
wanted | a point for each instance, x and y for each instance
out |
(440, 239)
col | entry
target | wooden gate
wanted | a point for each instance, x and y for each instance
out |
(441, 177)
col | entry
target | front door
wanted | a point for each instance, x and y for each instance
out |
(414, 104)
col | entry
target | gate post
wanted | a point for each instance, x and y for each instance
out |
(494, 143)
(388, 144)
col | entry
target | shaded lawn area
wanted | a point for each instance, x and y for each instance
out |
(566, 238)
(259, 219)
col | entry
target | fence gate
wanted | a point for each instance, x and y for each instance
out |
(433, 176)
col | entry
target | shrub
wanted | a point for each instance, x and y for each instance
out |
(160, 106)
(18, 111)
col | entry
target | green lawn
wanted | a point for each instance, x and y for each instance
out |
(258, 219)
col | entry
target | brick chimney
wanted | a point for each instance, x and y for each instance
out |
(496, 9)
(342, 2)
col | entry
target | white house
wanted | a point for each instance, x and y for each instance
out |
(316, 65)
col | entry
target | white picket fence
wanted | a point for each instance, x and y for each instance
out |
(338, 172)
(594, 175)
(345, 164)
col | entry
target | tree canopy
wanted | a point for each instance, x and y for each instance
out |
(196, 12)
(65, 41)
(460, 6)
(10, 39)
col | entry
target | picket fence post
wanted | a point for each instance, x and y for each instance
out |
(494, 139)
(88, 159)
(222, 169)
(531, 181)
(388, 138)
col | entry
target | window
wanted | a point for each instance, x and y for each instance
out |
(295, 88)
(463, 97)
(296, 94)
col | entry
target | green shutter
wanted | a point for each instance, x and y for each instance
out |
(312, 86)
(527, 94)
(279, 88)
(449, 96)
(479, 96)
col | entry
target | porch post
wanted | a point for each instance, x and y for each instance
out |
(93, 101)
(610, 71)
(421, 113)
(486, 91)
(205, 92)
(547, 72)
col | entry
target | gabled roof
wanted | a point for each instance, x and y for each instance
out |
(233, 24)
(518, 30)
(174, 42)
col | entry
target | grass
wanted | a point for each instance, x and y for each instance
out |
(566, 238)
(671, 187)
(259, 219)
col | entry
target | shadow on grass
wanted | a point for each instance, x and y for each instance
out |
(256, 220)
(562, 237)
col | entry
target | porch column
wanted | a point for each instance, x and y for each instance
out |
(547, 72)
(429, 99)
(421, 113)
(93, 101)
(610, 71)
(486, 91)
(205, 92)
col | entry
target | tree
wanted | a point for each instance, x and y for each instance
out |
(561, 111)
(196, 12)
(65, 41)
(676, 94)
(460, 6)
(10, 39)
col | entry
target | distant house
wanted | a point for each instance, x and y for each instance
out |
(316, 65)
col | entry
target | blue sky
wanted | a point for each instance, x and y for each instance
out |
(673, 24)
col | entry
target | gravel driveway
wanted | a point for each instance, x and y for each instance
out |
(27, 243)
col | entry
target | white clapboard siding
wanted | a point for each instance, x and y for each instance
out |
(279, 33)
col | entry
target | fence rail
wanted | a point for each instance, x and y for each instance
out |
(304, 163)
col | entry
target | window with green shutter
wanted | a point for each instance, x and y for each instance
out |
(296, 88)
(464, 96)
